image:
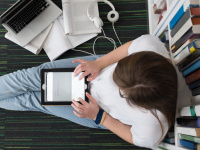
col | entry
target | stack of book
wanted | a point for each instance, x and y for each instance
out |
(189, 127)
(185, 37)
(185, 40)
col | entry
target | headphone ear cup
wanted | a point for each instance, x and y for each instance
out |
(115, 18)
(98, 22)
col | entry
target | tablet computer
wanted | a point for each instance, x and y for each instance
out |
(60, 87)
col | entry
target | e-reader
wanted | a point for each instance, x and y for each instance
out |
(60, 87)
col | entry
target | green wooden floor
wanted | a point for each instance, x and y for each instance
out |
(35, 130)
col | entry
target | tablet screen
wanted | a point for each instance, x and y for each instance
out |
(63, 86)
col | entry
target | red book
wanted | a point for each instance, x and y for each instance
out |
(193, 77)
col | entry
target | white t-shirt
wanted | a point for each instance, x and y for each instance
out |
(146, 130)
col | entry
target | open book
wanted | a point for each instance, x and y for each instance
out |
(36, 45)
(75, 17)
(57, 42)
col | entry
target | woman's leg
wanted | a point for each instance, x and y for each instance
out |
(27, 80)
(31, 101)
(21, 91)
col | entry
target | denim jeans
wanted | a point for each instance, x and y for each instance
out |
(21, 91)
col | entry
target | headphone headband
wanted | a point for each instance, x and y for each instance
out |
(105, 1)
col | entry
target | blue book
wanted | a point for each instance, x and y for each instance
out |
(188, 144)
(182, 11)
(177, 17)
(191, 69)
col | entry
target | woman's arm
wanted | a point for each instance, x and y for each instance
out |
(114, 56)
(90, 111)
(94, 67)
(117, 127)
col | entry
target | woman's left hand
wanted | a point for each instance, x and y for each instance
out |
(86, 110)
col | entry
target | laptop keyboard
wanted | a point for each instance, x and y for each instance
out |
(27, 14)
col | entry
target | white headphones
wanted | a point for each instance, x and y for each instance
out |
(97, 20)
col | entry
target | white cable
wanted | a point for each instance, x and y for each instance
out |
(116, 33)
(82, 51)
(108, 38)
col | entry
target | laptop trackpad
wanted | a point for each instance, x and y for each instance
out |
(38, 25)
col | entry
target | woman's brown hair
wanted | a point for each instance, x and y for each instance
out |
(148, 80)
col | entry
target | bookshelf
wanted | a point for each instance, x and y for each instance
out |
(156, 29)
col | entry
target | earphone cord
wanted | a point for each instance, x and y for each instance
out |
(116, 33)
(110, 39)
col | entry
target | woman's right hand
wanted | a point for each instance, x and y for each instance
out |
(89, 67)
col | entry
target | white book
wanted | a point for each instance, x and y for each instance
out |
(184, 53)
(188, 131)
(186, 111)
(58, 42)
(36, 45)
(75, 17)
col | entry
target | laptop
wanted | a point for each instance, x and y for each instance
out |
(28, 18)
(60, 87)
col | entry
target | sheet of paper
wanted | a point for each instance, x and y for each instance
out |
(57, 42)
(77, 39)
(36, 44)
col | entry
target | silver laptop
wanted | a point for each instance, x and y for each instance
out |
(28, 18)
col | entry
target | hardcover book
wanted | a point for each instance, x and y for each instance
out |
(194, 85)
(189, 138)
(193, 77)
(191, 69)
(191, 59)
(188, 121)
(190, 144)
(188, 131)
(190, 111)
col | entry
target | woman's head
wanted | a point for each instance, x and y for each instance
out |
(148, 80)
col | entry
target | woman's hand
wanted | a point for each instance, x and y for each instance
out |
(89, 67)
(86, 110)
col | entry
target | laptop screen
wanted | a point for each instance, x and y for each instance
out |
(63, 86)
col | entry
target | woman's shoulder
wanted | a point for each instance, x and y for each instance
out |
(148, 43)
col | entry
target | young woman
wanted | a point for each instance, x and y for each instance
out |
(134, 98)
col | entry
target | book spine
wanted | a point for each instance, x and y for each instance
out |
(182, 47)
(196, 91)
(190, 60)
(176, 18)
(188, 121)
(188, 144)
(191, 69)
(194, 85)
(190, 111)
(193, 77)
(195, 11)
(180, 23)
(189, 138)
(184, 53)
(188, 35)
